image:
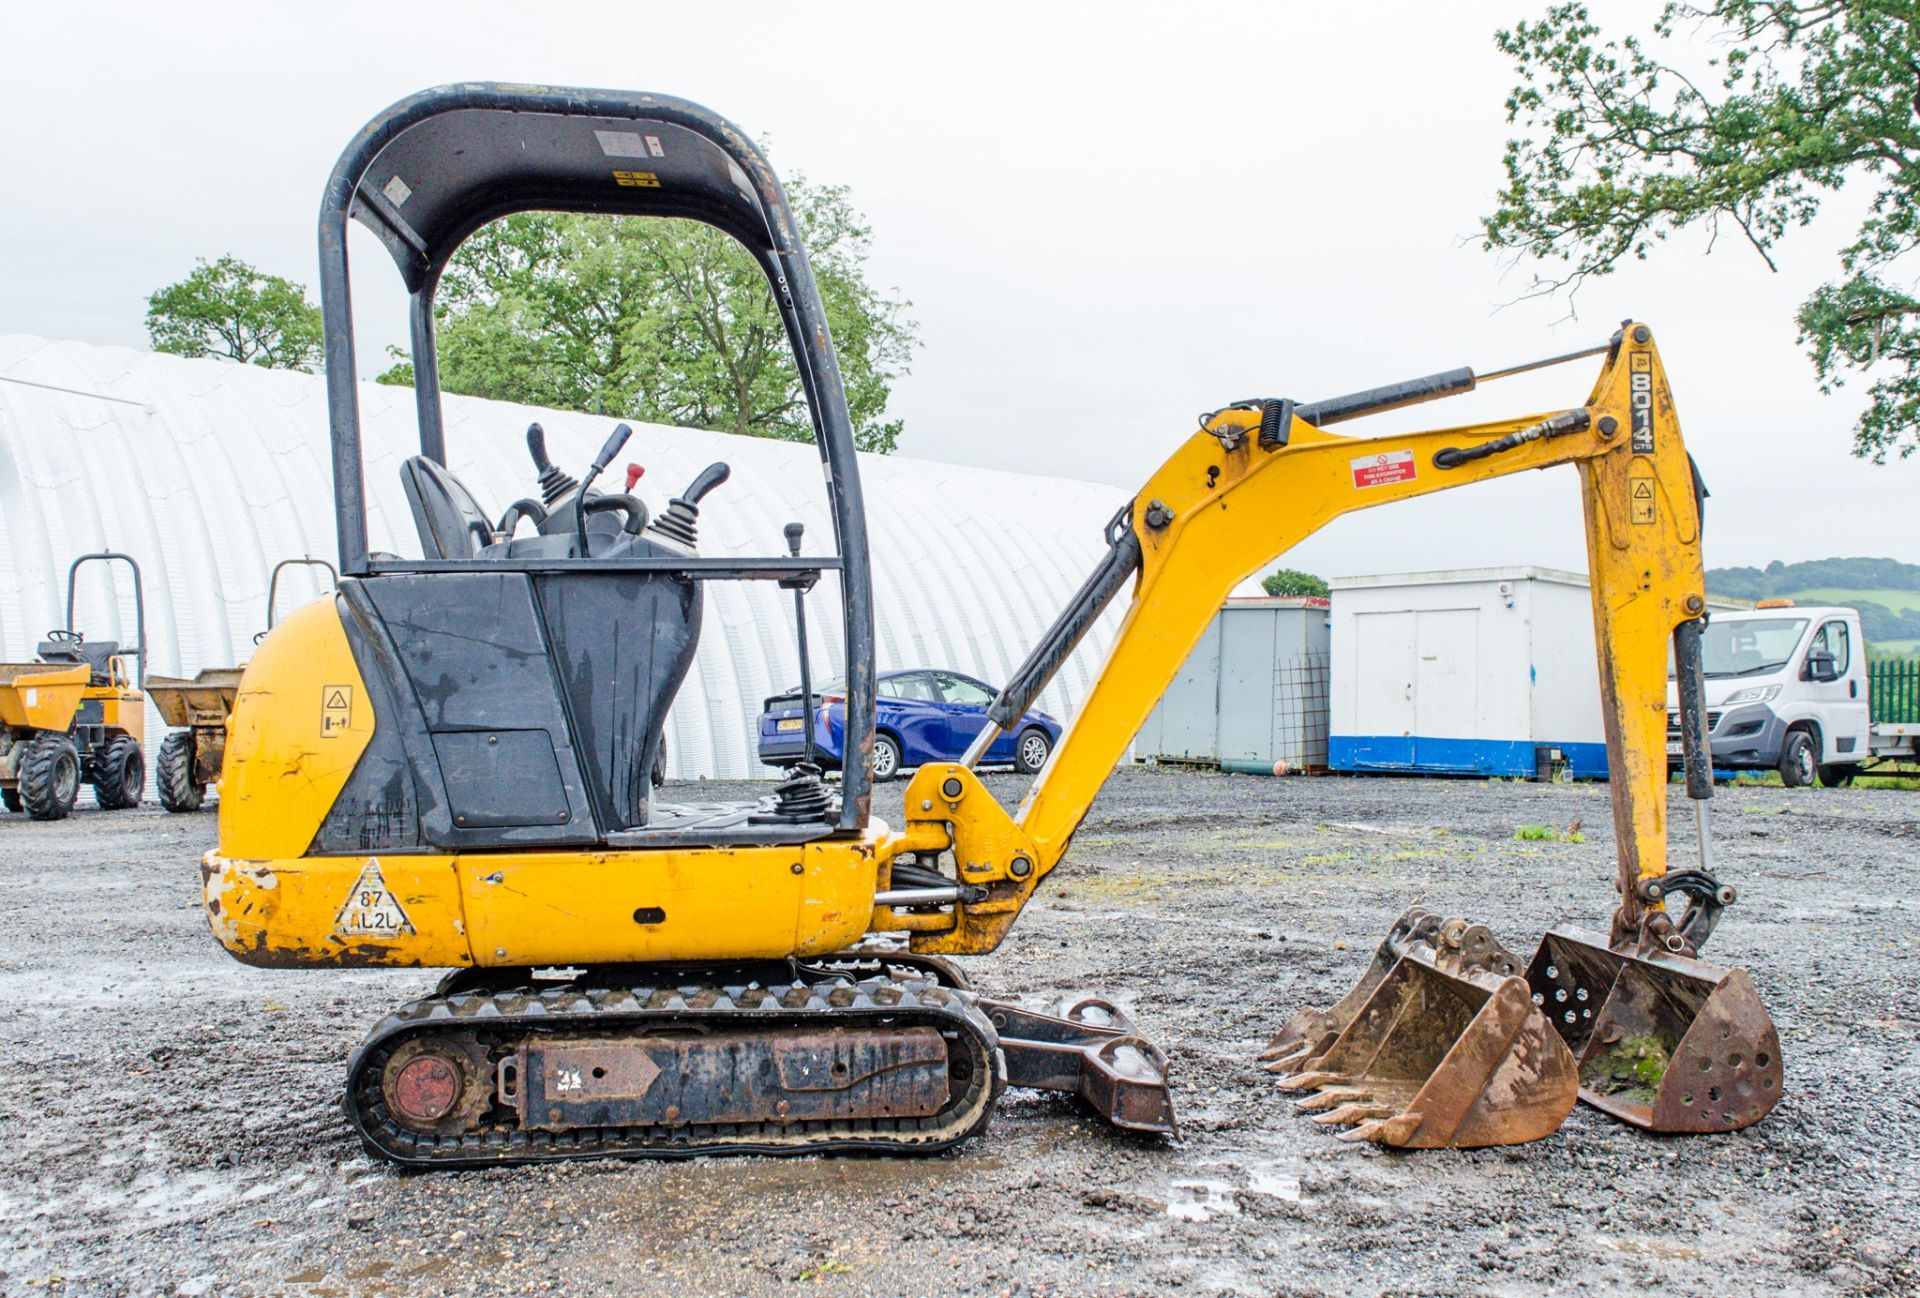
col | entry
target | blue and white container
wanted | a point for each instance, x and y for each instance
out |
(1478, 671)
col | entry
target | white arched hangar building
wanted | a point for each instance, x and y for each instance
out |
(209, 473)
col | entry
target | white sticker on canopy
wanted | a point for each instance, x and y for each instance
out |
(371, 909)
(622, 144)
(397, 191)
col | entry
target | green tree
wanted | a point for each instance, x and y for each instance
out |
(228, 308)
(1781, 102)
(1291, 581)
(669, 321)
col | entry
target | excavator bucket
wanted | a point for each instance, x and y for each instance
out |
(1312, 1031)
(1445, 1049)
(1664, 1042)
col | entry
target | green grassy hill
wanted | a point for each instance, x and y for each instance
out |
(1899, 601)
(1885, 591)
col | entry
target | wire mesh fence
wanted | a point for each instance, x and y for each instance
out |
(1301, 709)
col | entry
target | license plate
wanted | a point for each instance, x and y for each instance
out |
(1675, 748)
(787, 723)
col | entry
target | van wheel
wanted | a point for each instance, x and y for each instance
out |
(1799, 764)
(1837, 777)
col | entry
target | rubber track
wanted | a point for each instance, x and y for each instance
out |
(501, 1019)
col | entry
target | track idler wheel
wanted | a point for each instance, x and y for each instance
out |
(436, 1086)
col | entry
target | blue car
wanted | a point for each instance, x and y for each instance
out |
(923, 716)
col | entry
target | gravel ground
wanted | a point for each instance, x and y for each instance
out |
(174, 1121)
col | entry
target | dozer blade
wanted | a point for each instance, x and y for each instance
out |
(1448, 1050)
(1312, 1031)
(1665, 1042)
(1089, 1048)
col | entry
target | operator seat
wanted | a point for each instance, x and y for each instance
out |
(451, 523)
(97, 655)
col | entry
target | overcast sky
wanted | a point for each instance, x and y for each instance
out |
(1108, 218)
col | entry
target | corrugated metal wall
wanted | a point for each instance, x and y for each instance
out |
(208, 473)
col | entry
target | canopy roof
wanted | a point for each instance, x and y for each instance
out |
(436, 167)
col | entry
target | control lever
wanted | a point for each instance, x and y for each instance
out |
(681, 521)
(553, 483)
(616, 440)
(794, 531)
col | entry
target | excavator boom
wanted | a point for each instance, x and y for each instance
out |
(1439, 1023)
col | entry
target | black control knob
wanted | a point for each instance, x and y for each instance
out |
(553, 483)
(681, 522)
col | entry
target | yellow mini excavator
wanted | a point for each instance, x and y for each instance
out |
(445, 764)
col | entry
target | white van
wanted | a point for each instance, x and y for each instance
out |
(1786, 690)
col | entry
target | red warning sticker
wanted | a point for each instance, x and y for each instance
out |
(1379, 470)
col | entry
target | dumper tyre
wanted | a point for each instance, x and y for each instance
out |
(173, 774)
(1837, 776)
(10, 798)
(49, 776)
(1799, 762)
(120, 774)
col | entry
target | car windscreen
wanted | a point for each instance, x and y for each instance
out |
(1750, 646)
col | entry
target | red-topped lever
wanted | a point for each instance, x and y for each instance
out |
(633, 475)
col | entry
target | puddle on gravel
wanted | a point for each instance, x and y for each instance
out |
(1200, 1199)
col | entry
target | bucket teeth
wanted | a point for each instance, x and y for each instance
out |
(1330, 1097)
(1385, 1131)
(1348, 1115)
(1288, 1061)
(1313, 1081)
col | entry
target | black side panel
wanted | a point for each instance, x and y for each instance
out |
(379, 809)
(622, 644)
(466, 650)
(502, 777)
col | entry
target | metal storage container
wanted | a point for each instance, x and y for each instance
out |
(1253, 694)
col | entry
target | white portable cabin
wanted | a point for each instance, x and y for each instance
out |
(1252, 696)
(1476, 671)
(1479, 671)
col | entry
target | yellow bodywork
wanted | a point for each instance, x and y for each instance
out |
(36, 696)
(46, 696)
(1232, 513)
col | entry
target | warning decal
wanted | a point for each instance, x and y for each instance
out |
(1378, 470)
(336, 709)
(637, 179)
(1641, 492)
(370, 909)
